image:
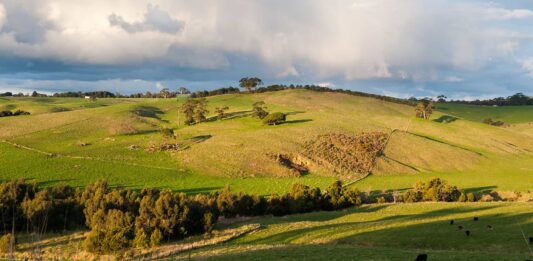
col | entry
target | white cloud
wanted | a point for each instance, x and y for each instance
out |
(453, 79)
(2, 16)
(504, 14)
(155, 19)
(405, 39)
(527, 65)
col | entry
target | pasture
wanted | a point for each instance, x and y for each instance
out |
(235, 151)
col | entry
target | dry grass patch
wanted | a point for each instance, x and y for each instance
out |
(346, 154)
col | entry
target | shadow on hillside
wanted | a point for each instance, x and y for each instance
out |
(149, 112)
(194, 191)
(410, 234)
(200, 138)
(443, 142)
(323, 231)
(480, 190)
(298, 121)
(52, 182)
(294, 112)
(230, 115)
(400, 163)
(446, 119)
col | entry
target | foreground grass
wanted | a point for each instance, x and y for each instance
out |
(387, 232)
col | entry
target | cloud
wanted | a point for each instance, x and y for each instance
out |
(395, 45)
(155, 19)
(453, 79)
(2, 16)
(504, 14)
(527, 65)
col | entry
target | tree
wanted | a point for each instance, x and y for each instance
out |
(259, 110)
(249, 83)
(188, 109)
(424, 109)
(183, 90)
(164, 93)
(441, 98)
(200, 110)
(221, 112)
(275, 118)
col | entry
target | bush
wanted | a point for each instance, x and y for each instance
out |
(5, 113)
(167, 132)
(5, 243)
(259, 110)
(20, 112)
(155, 238)
(141, 239)
(470, 197)
(275, 118)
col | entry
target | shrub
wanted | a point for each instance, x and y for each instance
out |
(462, 197)
(277, 205)
(209, 222)
(486, 198)
(275, 118)
(5, 243)
(470, 197)
(5, 113)
(20, 112)
(259, 110)
(382, 200)
(411, 196)
(167, 132)
(155, 238)
(141, 239)
(433, 190)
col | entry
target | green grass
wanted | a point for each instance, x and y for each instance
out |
(508, 114)
(387, 232)
(236, 151)
(49, 171)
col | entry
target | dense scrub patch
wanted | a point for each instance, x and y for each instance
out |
(346, 154)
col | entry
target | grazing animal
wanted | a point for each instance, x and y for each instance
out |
(467, 233)
(460, 227)
(451, 222)
(530, 239)
(476, 218)
(422, 257)
(489, 227)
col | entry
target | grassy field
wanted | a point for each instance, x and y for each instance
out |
(387, 232)
(236, 151)
(454, 145)
(369, 232)
(508, 114)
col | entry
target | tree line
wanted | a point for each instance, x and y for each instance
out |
(518, 99)
(120, 218)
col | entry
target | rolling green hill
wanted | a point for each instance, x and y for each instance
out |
(237, 151)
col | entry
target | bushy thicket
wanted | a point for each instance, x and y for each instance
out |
(275, 118)
(434, 190)
(346, 153)
(10, 113)
(120, 218)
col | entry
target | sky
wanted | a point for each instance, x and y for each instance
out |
(464, 49)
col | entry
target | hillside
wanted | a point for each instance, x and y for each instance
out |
(92, 140)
